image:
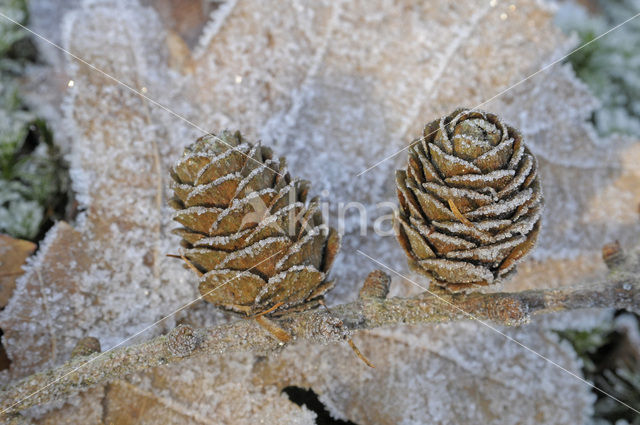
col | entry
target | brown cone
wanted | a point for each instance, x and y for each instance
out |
(248, 228)
(470, 201)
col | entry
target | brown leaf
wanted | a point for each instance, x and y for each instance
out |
(64, 253)
(459, 373)
(200, 392)
(339, 87)
(109, 267)
(13, 254)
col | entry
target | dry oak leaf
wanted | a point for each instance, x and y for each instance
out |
(342, 85)
(199, 391)
(422, 375)
(13, 254)
(339, 85)
(279, 71)
(458, 373)
(106, 275)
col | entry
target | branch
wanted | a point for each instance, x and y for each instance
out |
(371, 310)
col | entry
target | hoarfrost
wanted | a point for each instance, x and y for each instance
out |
(438, 239)
(277, 278)
(222, 240)
(501, 207)
(203, 188)
(337, 86)
(252, 199)
(423, 376)
(196, 210)
(484, 178)
(295, 248)
(495, 253)
(252, 251)
(271, 219)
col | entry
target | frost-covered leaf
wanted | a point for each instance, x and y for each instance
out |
(361, 86)
(106, 276)
(35, 321)
(422, 376)
(379, 79)
(339, 85)
(200, 391)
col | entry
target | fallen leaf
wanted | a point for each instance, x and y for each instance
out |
(457, 373)
(108, 275)
(338, 86)
(13, 254)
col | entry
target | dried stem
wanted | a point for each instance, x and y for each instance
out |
(372, 310)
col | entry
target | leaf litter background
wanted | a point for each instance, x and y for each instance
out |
(335, 86)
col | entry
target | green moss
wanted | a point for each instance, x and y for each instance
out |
(33, 177)
(587, 343)
(612, 362)
(609, 65)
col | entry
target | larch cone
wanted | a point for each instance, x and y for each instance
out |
(470, 201)
(248, 228)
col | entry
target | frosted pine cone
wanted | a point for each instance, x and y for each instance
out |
(470, 201)
(248, 229)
